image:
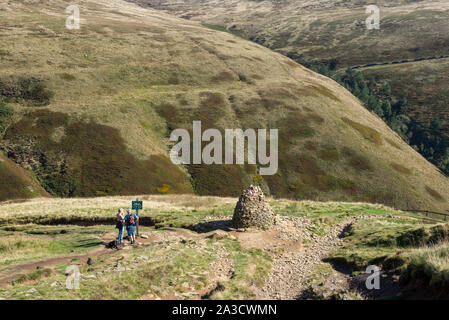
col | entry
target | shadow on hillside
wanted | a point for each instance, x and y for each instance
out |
(203, 227)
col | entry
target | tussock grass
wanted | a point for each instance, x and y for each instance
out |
(437, 256)
(338, 24)
(32, 276)
(17, 185)
(429, 269)
(388, 241)
(167, 270)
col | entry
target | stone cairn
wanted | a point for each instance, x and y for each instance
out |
(252, 210)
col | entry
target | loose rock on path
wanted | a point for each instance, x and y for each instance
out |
(291, 271)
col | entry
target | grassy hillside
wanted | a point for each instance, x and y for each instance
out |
(424, 84)
(95, 108)
(322, 30)
(16, 182)
(333, 35)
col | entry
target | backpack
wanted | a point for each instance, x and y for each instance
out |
(131, 221)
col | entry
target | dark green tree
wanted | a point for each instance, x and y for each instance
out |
(436, 124)
(386, 107)
(365, 94)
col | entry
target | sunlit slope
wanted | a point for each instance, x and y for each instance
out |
(120, 84)
(16, 183)
(321, 30)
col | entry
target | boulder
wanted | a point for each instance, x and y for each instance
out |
(252, 210)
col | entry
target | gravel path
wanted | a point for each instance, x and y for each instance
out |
(290, 271)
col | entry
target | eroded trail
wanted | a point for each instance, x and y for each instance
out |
(15, 271)
(291, 271)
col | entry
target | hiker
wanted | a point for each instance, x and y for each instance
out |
(131, 220)
(120, 224)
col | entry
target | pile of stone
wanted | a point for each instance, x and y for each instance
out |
(252, 210)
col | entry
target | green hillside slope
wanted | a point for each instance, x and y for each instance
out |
(16, 183)
(96, 106)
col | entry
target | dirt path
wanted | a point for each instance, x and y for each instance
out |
(291, 270)
(15, 271)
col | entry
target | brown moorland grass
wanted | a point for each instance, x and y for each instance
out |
(95, 159)
(368, 133)
(329, 153)
(16, 183)
(400, 168)
(356, 160)
(304, 30)
(434, 194)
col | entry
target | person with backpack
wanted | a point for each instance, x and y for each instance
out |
(120, 224)
(131, 220)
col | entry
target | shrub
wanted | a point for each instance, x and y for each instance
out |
(436, 124)
(27, 88)
(164, 189)
(5, 111)
(423, 236)
(6, 114)
(386, 107)
(35, 90)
